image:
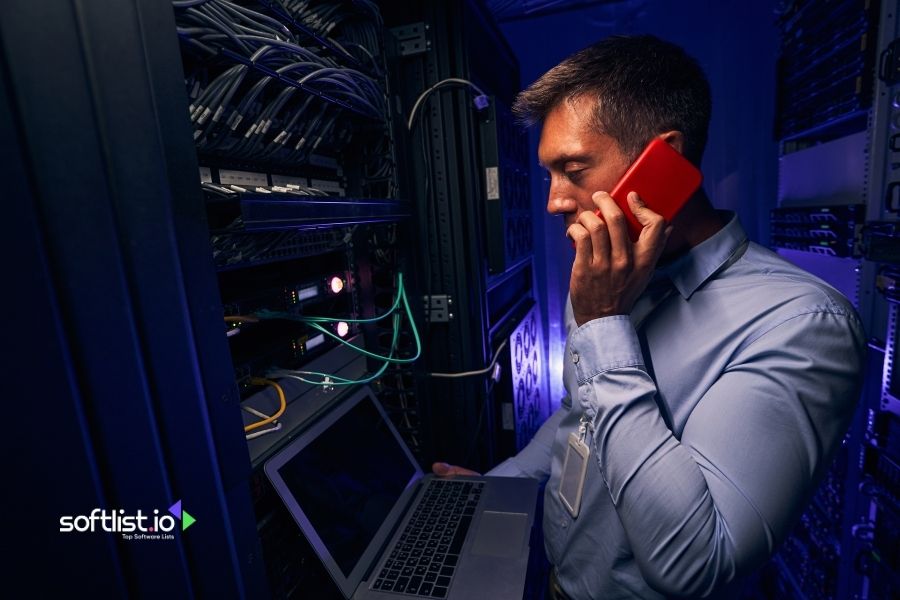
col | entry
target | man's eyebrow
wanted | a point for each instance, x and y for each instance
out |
(562, 159)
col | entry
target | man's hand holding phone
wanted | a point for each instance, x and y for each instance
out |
(617, 246)
(610, 272)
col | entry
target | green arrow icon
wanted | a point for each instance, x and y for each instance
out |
(186, 519)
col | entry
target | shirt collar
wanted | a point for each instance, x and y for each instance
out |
(690, 271)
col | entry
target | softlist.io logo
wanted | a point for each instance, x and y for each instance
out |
(182, 515)
(140, 526)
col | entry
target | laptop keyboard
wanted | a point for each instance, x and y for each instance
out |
(424, 559)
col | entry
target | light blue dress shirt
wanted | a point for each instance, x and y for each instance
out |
(713, 420)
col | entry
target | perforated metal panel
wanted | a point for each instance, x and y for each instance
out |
(530, 404)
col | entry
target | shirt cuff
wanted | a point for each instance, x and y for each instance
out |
(604, 344)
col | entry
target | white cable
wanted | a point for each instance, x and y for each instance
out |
(261, 432)
(255, 412)
(483, 371)
(426, 93)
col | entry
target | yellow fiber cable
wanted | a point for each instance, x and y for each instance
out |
(266, 421)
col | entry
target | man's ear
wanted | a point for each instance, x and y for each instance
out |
(675, 139)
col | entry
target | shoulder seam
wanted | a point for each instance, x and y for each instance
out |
(832, 310)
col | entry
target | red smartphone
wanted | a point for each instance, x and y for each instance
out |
(664, 180)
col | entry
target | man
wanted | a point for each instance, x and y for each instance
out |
(713, 379)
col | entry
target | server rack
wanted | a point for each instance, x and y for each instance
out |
(148, 407)
(468, 174)
(307, 238)
(169, 129)
(837, 98)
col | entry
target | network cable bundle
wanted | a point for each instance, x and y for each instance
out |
(289, 91)
(309, 86)
(294, 139)
(288, 105)
(288, 108)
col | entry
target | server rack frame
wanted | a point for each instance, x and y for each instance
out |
(105, 146)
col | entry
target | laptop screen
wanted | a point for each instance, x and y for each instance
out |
(347, 480)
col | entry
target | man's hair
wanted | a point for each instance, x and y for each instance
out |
(642, 86)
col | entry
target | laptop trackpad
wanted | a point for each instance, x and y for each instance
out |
(500, 534)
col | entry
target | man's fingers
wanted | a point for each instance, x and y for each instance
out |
(653, 224)
(581, 241)
(644, 215)
(617, 230)
(442, 469)
(653, 237)
(598, 237)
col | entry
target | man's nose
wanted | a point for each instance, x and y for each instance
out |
(559, 205)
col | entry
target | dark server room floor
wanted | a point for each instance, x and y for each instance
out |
(275, 261)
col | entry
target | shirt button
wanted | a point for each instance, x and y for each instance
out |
(563, 523)
(575, 357)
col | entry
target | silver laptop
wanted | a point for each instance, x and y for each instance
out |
(384, 529)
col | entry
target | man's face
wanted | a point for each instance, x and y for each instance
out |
(580, 161)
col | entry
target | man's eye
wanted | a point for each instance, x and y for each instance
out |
(574, 175)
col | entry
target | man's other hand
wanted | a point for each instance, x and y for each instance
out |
(442, 469)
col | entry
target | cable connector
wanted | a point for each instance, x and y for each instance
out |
(481, 102)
